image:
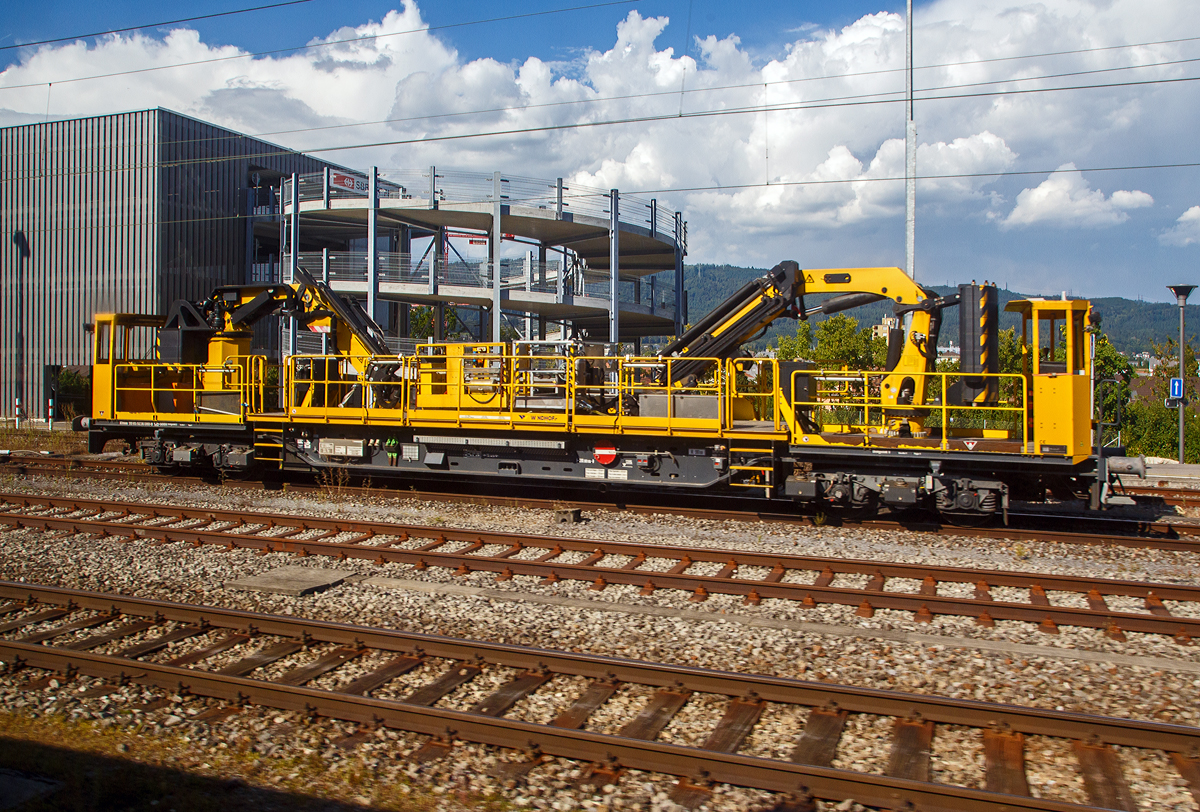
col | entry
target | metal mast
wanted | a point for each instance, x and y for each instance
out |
(910, 154)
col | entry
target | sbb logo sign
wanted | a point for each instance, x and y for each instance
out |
(351, 183)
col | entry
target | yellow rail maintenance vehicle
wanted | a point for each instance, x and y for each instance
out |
(699, 415)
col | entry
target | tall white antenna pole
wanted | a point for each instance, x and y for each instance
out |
(910, 155)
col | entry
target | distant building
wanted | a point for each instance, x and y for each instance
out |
(950, 352)
(129, 212)
(881, 330)
(126, 213)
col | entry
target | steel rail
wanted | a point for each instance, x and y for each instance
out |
(942, 710)
(646, 754)
(1050, 581)
(652, 756)
(1175, 536)
(924, 604)
(1182, 497)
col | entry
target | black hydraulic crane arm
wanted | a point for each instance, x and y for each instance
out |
(316, 296)
(231, 311)
(780, 292)
(735, 321)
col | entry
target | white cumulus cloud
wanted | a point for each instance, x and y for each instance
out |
(1065, 200)
(1186, 230)
(795, 152)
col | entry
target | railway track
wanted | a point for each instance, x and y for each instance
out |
(273, 661)
(1050, 601)
(1033, 525)
(1176, 497)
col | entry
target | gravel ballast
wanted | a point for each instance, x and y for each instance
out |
(1145, 677)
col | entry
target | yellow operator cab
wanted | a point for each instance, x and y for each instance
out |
(1057, 363)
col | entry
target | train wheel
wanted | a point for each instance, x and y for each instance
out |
(968, 508)
(966, 519)
(864, 505)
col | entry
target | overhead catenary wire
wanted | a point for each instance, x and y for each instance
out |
(874, 98)
(708, 188)
(720, 88)
(694, 90)
(735, 111)
(197, 18)
(703, 90)
(309, 46)
(714, 89)
(852, 101)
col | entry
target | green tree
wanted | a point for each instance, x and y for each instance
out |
(836, 342)
(1010, 351)
(1151, 428)
(1112, 365)
(71, 382)
(798, 346)
(420, 322)
(841, 343)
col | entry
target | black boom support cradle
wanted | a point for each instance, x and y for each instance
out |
(735, 321)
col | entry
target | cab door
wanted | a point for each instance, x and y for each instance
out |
(102, 367)
(1062, 383)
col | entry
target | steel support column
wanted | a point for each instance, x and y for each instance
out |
(326, 338)
(528, 287)
(372, 247)
(294, 255)
(435, 259)
(251, 202)
(614, 266)
(402, 326)
(910, 156)
(438, 311)
(494, 254)
(679, 310)
(541, 333)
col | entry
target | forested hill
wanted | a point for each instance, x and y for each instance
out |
(1130, 325)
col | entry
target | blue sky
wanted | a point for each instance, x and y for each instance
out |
(764, 27)
(810, 180)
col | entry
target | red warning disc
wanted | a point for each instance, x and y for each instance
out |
(605, 456)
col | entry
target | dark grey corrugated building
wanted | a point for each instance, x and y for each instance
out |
(124, 213)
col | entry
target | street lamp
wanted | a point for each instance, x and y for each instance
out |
(1182, 292)
(22, 243)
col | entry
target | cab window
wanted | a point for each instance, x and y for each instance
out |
(1051, 356)
(1078, 341)
(121, 338)
(103, 336)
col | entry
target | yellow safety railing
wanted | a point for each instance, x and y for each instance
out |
(482, 386)
(223, 393)
(851, 402)
(487, 387)
(761, 392)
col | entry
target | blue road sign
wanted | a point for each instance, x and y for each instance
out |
(1176, 388)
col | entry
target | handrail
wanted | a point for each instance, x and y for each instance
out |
(476, 384)
(488, 384)
(868, 402)
(149, 383)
